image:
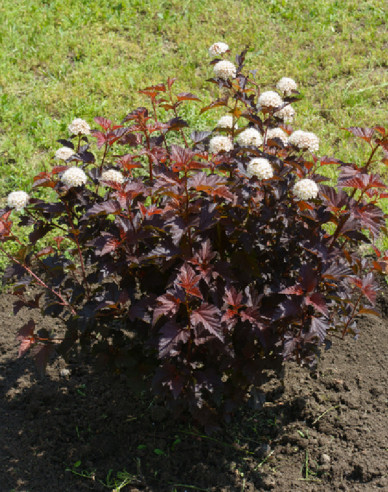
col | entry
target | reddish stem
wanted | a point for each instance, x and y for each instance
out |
(79, 250)
(351, 316)
(187, 215)
(39, 280)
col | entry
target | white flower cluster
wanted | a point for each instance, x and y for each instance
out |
(286, 86)
(112, 176)
(261, 168)
(306, 189)
(79, 127)
(250, 136)
(74, 176)
(269, 99)
(218, 49)
(286, 114)
(225, 69)
(278, 133)
(304, 140)
(220, 143)
(64, 153)
(226, 122)
(17, 199)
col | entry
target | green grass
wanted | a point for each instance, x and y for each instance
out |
(70, 58)
(65, 59)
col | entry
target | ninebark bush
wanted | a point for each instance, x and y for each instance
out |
(196, 266)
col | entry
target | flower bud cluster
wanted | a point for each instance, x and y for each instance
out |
(226, 122)
(277, 133)
(286, 114)
(79, 127)
(287, 86)
(112, 176)
(64, 153)
(74, 177)
(220, 143)
(18, 199)
(269, 99)
(260, 168)
(305, 189)
(250, 136)
(218, 49)
(225, 69)
(304, 140)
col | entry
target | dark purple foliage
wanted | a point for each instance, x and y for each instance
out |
(193, 274)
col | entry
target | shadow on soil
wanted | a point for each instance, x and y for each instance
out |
(86, 431)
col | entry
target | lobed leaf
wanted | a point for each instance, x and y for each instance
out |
(367, 286)
(108, 207)
(319, 327)
(103, 122)
(364, 133)
(168, 304)
(172, 335)
(318, 302)
(188, 280)
(198, 137)
(26, 337)
(209, 317)
(371, 218)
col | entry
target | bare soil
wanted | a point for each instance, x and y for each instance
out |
(78, 429)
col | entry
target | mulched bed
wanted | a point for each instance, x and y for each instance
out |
(79, 429)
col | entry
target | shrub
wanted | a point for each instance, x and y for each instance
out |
(195, 270)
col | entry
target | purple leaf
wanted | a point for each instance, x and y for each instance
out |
(336, 271)
(109, 207)
(176, 124)
(204, 182)
(318, 302)
(293, 290)
(181, 157)
(188, 280)
(26, 337)
(214, 104)
(233, 297)
(371, 217)
(136, 114)
(334, 199)
(168, 304)
(209, 316)
(176, 385)
(106, 243)
(103, 122)
(367, 286)
(197, 137)
(171, 336)
(187, 96)
(319, 327)
(66, 143)
(364, 133)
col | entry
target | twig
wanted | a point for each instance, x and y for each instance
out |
(324, 413)
(188, 486)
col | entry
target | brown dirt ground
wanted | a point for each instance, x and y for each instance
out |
(320, 432)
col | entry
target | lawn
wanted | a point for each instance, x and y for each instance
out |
(65, 59)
